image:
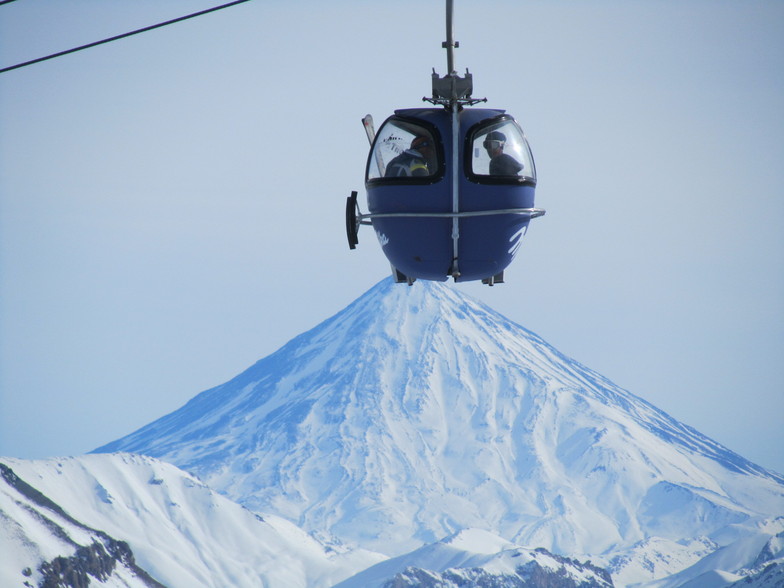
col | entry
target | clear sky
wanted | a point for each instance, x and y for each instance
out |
(171, 205)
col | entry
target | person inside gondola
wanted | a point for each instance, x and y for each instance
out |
(416, 161)
(501, 164)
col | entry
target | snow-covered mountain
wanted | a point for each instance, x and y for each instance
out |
(42, 545)
(129, 520)
(756, 560)
(479, 558)
(418, 411)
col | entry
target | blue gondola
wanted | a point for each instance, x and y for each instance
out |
(450, 189)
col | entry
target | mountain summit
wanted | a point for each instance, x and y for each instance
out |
(418, 411)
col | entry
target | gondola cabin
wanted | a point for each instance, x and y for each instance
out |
(450, 190)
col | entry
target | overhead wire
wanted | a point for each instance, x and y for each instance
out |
(117, 37)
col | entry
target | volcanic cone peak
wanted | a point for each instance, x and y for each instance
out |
(418, 411)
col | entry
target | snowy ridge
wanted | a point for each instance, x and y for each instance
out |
(754, 560)
(42, 545)
(478, 558)
(417, 412)
(181, 532)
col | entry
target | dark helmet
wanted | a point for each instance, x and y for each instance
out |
(494, 136)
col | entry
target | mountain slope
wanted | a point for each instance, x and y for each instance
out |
(755, 559)
(417, 412)
(479, 558)
(182, 532)
(41, 543)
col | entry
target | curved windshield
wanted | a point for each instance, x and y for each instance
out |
(403, 149)
(500, 151)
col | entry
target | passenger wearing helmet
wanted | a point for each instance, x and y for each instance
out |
(419, 160)
(501, 164)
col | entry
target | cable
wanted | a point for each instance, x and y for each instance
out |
(115, 38)
(6, 2)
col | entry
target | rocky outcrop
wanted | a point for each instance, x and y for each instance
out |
(98, 560)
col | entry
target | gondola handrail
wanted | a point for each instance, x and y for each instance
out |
(532, 212)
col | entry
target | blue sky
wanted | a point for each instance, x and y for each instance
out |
(171, 204)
